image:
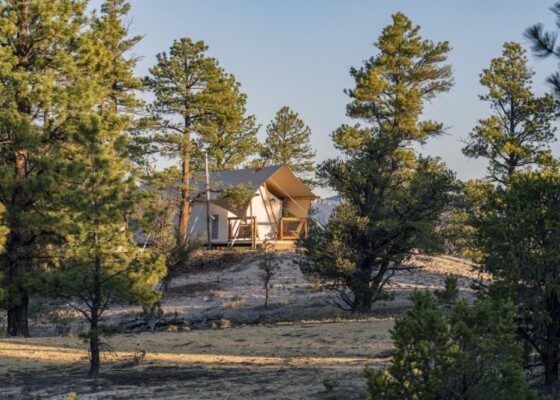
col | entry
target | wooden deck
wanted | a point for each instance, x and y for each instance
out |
(245, 232)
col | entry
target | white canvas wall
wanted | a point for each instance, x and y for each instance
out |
(268, 213)
(197, 222)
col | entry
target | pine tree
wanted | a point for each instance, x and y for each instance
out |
(287, 142)
(228, 145)
(469, 352)
(392, 198)
(518, 135)
(192, 93)
(106, 52)
(230, 139)
(517, 238)
(544, 45)
(101, 263)
(392, 87)
(42, 97)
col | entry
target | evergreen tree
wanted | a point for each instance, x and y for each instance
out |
(391, 88)
(544, 45)
(518, 134)
(387, 216)
(42, 96)
(467, 353)
(229, 145)
(518, 231)
(106, 52)
(192, 94)
(287, 142)
(392, 199)
(102, 264)
(231, 139)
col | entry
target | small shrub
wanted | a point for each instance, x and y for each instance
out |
(61, 319)
(450, 292)
(235, 304)
(36, 305)
(330, 384)
(73, 396)
(269, 268)
(139, 357)
(222, 323)
(152, 312)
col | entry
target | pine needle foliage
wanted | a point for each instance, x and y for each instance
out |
(518, 231)
(518, 134)
(42, 98)
(392, 198)
(467, 352)
(194, 100)
(287, 142)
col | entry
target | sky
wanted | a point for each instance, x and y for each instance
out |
(298, 53)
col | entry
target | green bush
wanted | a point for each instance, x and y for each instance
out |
(463, 352)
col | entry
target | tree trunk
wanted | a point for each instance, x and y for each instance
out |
(184, 212)
(552, 357)
(266, 297)
(94, 349)
(551, 368)
(184, 215)
(18, 303)
(94, 321)
(362, 287)
(17, 317)
(17, 249)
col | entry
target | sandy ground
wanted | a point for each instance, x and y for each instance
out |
(263, 356)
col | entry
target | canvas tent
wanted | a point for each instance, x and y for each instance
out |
(278, 210)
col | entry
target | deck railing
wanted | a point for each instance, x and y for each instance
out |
(291, 228)
(242, 229)
(246, 230)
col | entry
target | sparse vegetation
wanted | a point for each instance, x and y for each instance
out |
(235, 304)
(269, 267)
(222, 323)
(330, 384)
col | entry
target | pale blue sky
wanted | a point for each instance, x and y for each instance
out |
(298, 53)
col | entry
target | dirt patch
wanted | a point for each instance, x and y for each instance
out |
(217, 260)
(192, 289)
(264, 362)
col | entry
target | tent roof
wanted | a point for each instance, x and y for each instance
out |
(280, 181)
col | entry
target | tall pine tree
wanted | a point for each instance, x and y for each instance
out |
(392, 197)
(229, 144)
(517, 236)
(42, 98)
(287, 142)
(518, 135)
(101, 263)
(192, 94)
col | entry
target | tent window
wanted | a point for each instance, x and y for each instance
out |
(215, 225)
